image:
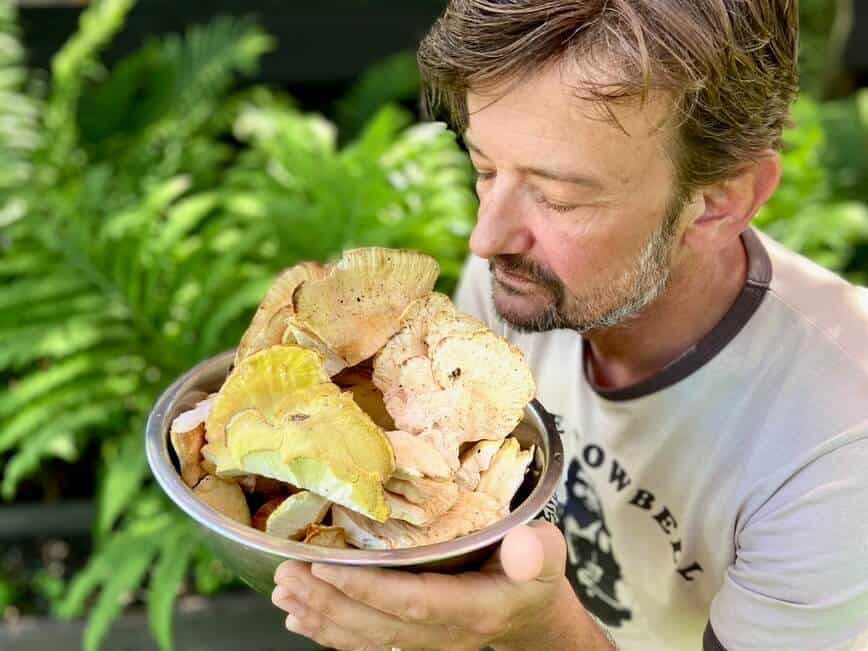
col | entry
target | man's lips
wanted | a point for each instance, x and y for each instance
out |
(511, 278)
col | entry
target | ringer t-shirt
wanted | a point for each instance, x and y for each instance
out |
(722, 503)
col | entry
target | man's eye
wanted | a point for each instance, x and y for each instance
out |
(484, 176)
(556, 207)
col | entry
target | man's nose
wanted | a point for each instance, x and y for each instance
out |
(499, 226)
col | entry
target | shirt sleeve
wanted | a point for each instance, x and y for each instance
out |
(800, 578)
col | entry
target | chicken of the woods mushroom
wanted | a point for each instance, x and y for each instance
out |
(362, 410)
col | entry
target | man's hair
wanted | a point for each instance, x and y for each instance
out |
(729, 67)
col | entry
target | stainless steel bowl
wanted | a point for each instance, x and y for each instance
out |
(254, 555)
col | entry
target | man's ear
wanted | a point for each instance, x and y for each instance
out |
(724, 209)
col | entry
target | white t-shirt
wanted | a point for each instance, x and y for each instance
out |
(723, 503)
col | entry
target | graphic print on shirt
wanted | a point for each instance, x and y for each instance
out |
(591, 566)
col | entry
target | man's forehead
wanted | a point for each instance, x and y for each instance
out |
(552, 105)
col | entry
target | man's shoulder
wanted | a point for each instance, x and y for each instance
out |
(819, 303)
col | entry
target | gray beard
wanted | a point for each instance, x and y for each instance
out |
(622, 300)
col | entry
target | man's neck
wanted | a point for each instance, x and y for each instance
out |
(699, 295)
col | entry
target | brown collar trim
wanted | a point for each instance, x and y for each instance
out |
(759, 276)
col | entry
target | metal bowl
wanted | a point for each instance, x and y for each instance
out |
(254, 555)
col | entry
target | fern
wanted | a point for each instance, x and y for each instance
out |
(137, 241)
(19, 135)
(805, 212)
(70, 67)
(176, 553)
(393, 79)
(144, 243)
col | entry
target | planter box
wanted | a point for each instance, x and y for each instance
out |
(228, 622)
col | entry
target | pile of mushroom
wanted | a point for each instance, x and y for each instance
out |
(362, 410)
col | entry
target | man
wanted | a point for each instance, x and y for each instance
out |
(711, 387)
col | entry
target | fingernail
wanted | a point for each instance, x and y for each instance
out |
(294, 624)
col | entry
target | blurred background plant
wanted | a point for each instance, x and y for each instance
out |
(145, 207)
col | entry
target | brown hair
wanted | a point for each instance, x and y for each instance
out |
(729, 66)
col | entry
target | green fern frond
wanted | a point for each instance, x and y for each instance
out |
(208, 57)
(31, 343)
(379, 134)
(18, 261)
(125, 468)
(124, 545)
(58, 438)
(120, 564)
(72, 64)
(146, 246)
(19, 116)
(175, 557)
(182, 219)
(19, 295)
(57, 310)
(233, 308)
(222, 274)
(393, 79)
(43, 381)
(94, 391)
(125, 578)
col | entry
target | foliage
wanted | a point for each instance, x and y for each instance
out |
(140, 230)
(394, 79)
(811, 211)
(145, 209)
(815, 47)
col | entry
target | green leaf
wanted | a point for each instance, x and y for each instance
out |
(108, 557)
(124, 468)
(205, 60)
(176, 555)
(40, 382)
(55, 311)
(56, 439)
(125, 577)
(182, 218)
(31, 290)
(88, 392)
(97, 24)
(243, 300)
(393, 79)
(223, 273)
(55, 341)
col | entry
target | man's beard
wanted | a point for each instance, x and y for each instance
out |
(603, 307)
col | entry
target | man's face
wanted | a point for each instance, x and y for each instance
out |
(577, 218)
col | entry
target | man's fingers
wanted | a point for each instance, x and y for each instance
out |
(317, 603)
(521, 554)
(537, 551)
(427, 599)
(288, 569)
(320, 630)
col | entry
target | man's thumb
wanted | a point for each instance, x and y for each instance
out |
(533, 551)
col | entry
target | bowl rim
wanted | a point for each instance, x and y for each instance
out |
(163, 470)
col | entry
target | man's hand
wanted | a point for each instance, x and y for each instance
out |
(519, 599)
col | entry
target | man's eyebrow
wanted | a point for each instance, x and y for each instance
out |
(566, 177)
